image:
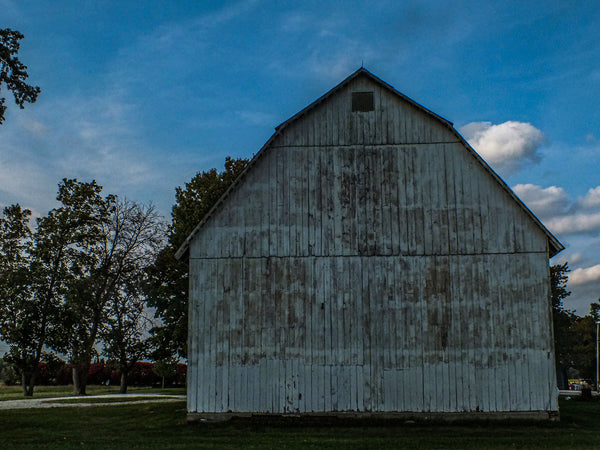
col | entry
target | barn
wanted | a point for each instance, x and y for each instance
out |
(368, 262)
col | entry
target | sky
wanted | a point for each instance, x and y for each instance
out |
(140, 96)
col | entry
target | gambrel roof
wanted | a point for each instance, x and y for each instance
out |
(554, 245)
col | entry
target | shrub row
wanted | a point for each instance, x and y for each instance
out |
(142, 374)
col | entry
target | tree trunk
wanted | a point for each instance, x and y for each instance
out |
(80, 373)
(75, 374)
(163, 382)
(24, 384)
(123, 387)
(28, 382)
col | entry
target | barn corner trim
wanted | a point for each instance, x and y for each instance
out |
(554, 245)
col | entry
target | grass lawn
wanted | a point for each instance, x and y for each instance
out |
(163, 425)
(16, 393)
(119, 399)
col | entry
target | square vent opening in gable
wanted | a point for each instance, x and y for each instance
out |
(362, 101)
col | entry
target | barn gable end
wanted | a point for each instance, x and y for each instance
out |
(396, 120)
(369, 260)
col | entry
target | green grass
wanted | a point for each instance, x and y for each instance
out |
(16, 393)
(163, 425)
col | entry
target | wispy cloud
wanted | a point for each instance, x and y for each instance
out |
(545, 202)
(93, 137)
(101, 133)
(257, 117)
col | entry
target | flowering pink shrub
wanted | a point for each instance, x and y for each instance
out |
(142, 374)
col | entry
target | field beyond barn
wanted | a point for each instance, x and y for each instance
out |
(164, 425)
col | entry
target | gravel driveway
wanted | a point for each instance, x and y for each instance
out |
(57, 401)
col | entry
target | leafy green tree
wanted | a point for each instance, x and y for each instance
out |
(123, 332)
(168, 278)
(165, 368)
(43, 270)
(13, 72)
(67, 244)
(23, 319)
(584, 345)
(80, 274)
(8, 374)
(72, 236)
(563, 320)
(574, 336)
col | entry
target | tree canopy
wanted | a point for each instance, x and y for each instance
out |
(574, 336)
(13, 72)
(77, 279)
(168, 287)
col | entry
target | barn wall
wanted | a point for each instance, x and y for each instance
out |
(394, 121)
(433, 333)
(368, 262)
(368, 200)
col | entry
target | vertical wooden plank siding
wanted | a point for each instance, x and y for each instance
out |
(369, 263)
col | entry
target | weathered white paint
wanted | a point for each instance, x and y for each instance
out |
(369, 261)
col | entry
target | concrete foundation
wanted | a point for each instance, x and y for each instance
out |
(331, 417)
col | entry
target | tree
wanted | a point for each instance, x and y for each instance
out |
(80, 273)
(562, 320)
(136, 236)
(20, 313)
(42, 269)
(574, 336)
(67, 242)
(75, 231)
(584, 345)
(128, 238)
(123, 332)
(12, 72)
(7, 372)
(165, 368)
(168, 278)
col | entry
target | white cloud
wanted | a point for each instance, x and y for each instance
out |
(544, 202)
(575, 224)
(559, 213)
(591, 199)
(585, 275)
(506, 146)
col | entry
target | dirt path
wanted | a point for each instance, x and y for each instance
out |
(79, 401)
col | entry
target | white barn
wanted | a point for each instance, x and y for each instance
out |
(368, 261)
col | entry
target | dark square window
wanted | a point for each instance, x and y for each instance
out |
(362, 101)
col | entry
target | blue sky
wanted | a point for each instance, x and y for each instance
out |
(142, 95)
